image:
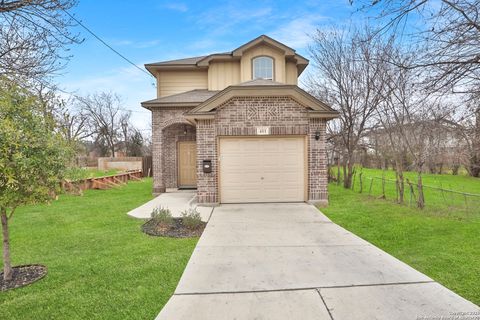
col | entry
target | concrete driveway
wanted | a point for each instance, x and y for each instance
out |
(289, 261)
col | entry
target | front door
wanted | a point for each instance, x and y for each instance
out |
(187, 162)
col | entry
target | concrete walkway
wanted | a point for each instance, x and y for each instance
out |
(289, 261)
(176, 201)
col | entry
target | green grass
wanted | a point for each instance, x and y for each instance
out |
(445, 247)
(85, 173)
(462, 183)
(100, 265)
(442, 202)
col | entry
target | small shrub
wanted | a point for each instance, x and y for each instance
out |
(191, 218)
(162, 215)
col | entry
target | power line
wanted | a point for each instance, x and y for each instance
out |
(106, 44)
(79, 98)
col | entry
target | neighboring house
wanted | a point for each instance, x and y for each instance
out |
(236, 127)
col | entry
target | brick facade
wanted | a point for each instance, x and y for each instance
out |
(169, 125)
(237, 117)
(207, 184)
(171, 136)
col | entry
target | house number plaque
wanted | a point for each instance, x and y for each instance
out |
(262, 131)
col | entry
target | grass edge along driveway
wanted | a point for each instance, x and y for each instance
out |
(444, 247)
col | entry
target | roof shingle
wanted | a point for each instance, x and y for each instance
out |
(190, 97)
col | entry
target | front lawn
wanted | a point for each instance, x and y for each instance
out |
(444, 247)
(100, 265)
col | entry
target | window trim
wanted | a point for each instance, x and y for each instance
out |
(261, 56)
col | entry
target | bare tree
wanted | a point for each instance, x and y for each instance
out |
(450, 42)
(450, 37)
(33, 37)
(400, 104)
(348, 77)
(105, 118)
(73, 123)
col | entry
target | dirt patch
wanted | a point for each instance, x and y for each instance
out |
(175, 230)
(23, 276)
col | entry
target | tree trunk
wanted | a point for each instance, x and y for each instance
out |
(347, 173)
(400, 181)
(7, 263)
(383, 196)
(455, 168)
(361, 181)
(475, 157)
(338, 170)
(421, 198)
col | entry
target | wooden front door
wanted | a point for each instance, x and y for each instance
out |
(187, 164)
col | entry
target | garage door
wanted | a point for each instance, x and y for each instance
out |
(262, 169)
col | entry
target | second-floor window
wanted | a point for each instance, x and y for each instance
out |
(263, 68)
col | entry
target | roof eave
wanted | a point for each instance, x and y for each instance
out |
(323, 115)
(153, 69)
(206, 61)
(150, 105)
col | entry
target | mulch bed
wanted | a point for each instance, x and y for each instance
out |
(23, 276)
(176, 230)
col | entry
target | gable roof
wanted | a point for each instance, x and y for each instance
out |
(258, 88)
(203, 61)
(263, 39)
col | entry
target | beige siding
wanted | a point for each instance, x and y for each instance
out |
(262, 50)
(173, 82)
(222, 74)
(291, 73)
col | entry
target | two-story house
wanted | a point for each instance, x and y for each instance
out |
(236, 127)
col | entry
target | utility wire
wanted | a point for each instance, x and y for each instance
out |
(106, 44)
(79, 98)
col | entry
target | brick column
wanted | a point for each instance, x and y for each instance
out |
(207, 186)
(317, 163)
(157, 156)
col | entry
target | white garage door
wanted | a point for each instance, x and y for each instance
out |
(263, 169)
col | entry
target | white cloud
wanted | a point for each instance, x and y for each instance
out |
(232, 18)
(296, 33)
(176, 6)
(135, 44)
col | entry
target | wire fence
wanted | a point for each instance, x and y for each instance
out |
(437, 199)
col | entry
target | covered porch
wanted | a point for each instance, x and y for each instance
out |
(178, 157)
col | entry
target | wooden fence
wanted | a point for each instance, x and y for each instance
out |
(106, 182)
(147, 166)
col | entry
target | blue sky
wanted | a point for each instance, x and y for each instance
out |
(151, 31)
